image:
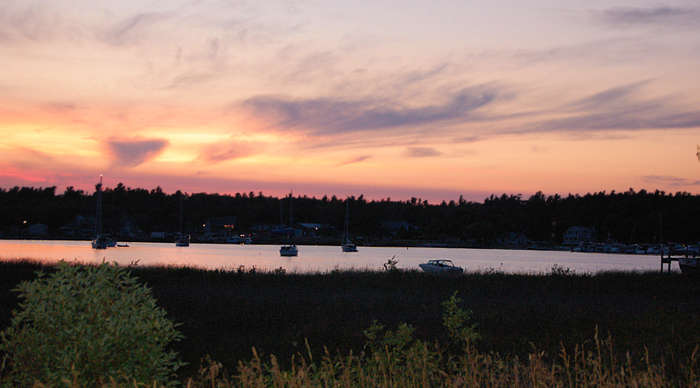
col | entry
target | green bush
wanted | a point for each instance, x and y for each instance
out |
(88, 325)
(458, 322)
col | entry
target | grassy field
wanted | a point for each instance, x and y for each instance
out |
(652, 318)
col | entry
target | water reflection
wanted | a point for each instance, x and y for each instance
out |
(323, 258)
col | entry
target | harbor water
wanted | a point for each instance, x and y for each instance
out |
(324, 258)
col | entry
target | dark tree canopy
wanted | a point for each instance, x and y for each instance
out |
(631, 216)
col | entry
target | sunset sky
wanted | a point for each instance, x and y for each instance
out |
(430, 99)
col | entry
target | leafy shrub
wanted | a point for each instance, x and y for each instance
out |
(457, 322)
(88, 325)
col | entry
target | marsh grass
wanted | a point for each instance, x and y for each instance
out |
(535, 329)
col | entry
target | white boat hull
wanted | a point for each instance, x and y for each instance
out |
(441, 266)
(440, 270)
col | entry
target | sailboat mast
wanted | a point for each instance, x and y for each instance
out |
(347, 220)
(98, 216)
(291, 218)
(180, 217)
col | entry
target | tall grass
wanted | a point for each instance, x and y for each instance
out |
(426, 366)
(536, 330)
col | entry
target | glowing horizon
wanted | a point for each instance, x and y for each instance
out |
(430, 100)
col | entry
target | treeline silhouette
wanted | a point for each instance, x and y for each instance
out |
(629, 217)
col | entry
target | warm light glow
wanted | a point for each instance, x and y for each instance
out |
(436, 101)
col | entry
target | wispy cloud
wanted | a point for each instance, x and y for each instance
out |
(132, 28)
(599, 52)
(33, 22)
(133, 152)
(358, 159)
(421, 152)
(190, 79)
(229, 151)
(608, 97)
(330, 115)
(673, 181)
(620, 108)
(665, 16)
(467, 139)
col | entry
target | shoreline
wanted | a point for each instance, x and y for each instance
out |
(383, 244)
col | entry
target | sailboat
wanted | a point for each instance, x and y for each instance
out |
(182, 239)
(100, 241)
(348, 245)
(291, 248)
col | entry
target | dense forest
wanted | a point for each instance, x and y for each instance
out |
(627, 217)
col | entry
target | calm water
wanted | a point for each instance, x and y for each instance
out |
(324, 258)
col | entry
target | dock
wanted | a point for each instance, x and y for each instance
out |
(670, 255)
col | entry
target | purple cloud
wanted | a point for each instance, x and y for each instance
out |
(614, 95)
(326, 115)
(662, 16)
(131, 153)
(619, 108)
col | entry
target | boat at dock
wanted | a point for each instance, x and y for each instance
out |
(686, 256)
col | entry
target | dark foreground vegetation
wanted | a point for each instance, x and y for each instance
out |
(131, 214)
(560, 329)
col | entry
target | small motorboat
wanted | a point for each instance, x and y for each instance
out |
(124, 245)
(349, 247)
(289, 250)
(111, 243)
(182, 240)
(441, 266)
(100, 242)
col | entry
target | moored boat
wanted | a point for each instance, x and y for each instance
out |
(441, 266)
(182, 240)
(348, 245)
(289, 250)
(100, 242)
